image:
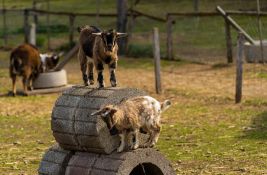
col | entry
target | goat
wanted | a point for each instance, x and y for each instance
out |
(133, 115)
(97, 48)
(26, 61)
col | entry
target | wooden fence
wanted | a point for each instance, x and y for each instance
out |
(169, 21)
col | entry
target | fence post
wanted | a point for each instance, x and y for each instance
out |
(239, 67)
(71, 29)
(26, 26)
(5, 27)
(156, 50)
(35, 16)
(32, 36)
(122, 24)
(48, 26)
(170, 22)
(228, 39)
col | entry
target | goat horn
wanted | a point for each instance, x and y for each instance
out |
(96, 112)
(97, 34)
(120, 35)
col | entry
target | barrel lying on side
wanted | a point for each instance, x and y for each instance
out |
(75, 129)
(141, 161)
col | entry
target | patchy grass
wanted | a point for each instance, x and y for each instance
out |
(203, 132)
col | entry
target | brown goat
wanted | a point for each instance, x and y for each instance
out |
(135, 114)
(98, 48)
(26, 61)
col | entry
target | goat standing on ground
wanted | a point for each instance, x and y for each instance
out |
(135, 114)
(26, 61)
(96, 49)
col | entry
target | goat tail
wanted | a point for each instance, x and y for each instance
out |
(15, 64)
(165, 105)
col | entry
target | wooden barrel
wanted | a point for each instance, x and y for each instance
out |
(73, 126)
(141, 161)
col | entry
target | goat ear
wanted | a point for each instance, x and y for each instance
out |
(61, 54)
(113, 111)
(165, 105)
(79, 29)
(120, 35)
(97, 34)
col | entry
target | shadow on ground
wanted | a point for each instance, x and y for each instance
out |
(258, 127)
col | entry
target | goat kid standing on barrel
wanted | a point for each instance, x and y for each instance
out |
(96, 49)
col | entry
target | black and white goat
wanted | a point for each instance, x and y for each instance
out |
(96, 49)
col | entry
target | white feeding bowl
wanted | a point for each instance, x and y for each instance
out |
(51, 80)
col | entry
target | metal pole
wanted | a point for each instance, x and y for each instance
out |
(260, 30)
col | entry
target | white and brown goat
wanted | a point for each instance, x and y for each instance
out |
(133, 115)
(26, 61)
(96, 49)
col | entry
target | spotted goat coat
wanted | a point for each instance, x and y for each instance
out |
(135, 114)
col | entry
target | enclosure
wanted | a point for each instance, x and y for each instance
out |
(203, 132)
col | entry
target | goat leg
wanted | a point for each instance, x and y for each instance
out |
(135, 144)
(30, 83)
(14, 77)
(113, 80)
(91, 73)
(155, 135)
(100, 77)
(85, 79)
(122, 144)
(25, 85)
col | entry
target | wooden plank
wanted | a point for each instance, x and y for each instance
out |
(138, 13)
(239, 67)
(67, 57)
(228, 39)
(157, 59)
(235, 25)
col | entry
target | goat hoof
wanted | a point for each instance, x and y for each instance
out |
(25, 94)
(30, 88)
(113, 83)
(92, 82)
(101, 86)
(134, 146)
(119, 150)
(12, 94)
(146, 145)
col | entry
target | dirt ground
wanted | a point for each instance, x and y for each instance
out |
(204, 132)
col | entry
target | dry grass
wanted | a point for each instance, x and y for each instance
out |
(204, 132)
